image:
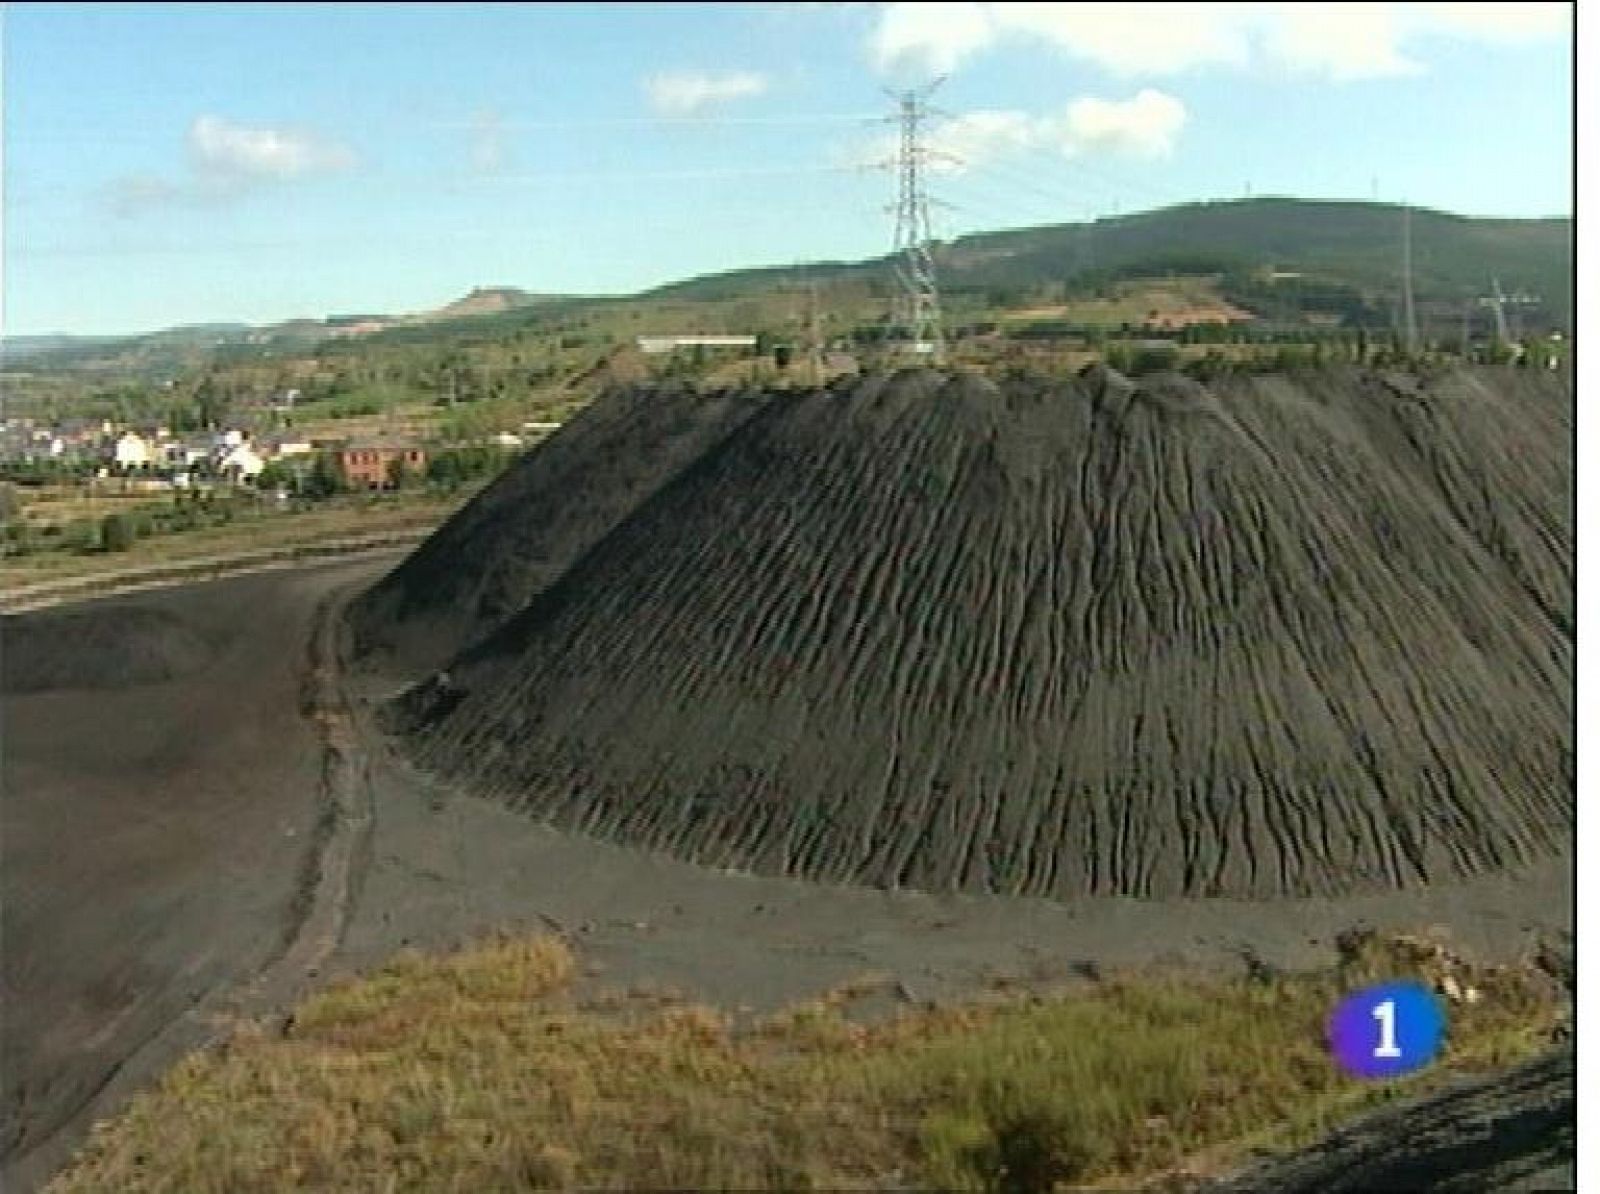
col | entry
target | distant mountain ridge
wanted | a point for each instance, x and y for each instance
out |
(168, 347)
(1349, 248)
(487, 300)
(1357, 244)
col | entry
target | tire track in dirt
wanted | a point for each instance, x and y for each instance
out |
(330, 873)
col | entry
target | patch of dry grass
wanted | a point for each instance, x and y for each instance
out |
(480, 1071)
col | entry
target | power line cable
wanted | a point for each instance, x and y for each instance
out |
(470, 126)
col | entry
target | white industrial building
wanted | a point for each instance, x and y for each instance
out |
(659, 344)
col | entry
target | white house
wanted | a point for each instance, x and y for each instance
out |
(283, 446)
(241, 462)
(132, 450)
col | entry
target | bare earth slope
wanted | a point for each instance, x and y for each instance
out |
(1507, 1131)
(1282, 635)
(523, 531)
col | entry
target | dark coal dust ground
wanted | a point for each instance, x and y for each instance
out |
(1271, 636)
(751, 694)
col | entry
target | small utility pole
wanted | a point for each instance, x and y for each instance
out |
(814, 327)
(1408, 301)
(1498, 303)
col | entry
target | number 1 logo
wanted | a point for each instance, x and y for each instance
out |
(1384, 1015)
(1386, 1030)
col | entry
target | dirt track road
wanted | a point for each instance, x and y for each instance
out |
(156, 835)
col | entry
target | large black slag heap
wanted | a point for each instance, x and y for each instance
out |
(1275, 634)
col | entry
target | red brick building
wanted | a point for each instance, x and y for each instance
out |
(369, 463)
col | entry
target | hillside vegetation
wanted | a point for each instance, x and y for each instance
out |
(482, 1070)
(1352, 246)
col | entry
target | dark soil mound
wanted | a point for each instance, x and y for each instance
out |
(113, 646)
(1280, 635)
(1508, 1131)
(523, 531)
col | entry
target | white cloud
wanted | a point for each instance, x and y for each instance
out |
(1146, 125)
(236, 152)
(1493, 22)
(1135, 39)
(930, 37)
(226, 161)
(685, 93)
(975, 137)
(1342, 41)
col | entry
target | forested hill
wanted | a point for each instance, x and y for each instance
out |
(1347, 244)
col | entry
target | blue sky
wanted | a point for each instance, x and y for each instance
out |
(182, 164)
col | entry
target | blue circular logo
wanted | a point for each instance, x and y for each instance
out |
(1387, 1030)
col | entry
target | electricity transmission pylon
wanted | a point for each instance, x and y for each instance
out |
(916, 315)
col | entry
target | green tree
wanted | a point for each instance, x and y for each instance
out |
(444, 470)
(326, 477)
(400, 473)
(211, 407)
(277, 475)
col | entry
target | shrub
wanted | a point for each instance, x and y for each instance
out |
(116, 532)
(1152, 359)
(20, 539)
